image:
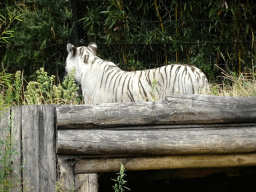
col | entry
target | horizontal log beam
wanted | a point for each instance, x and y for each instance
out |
(157, 141)
(167, 162)
(175, 109)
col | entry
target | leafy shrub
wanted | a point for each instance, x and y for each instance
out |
(41, 91)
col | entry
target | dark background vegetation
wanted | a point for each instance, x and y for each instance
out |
(134, 34)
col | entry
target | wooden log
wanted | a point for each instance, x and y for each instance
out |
(86, 182)
(175, 109)
(30, 147)
(166, 162)
(16, 117)
(157, 141)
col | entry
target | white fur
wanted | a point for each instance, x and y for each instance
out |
(103, 81)
(94, 45)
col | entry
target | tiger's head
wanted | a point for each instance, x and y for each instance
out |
(76, 58)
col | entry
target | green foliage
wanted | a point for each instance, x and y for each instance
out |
(5, 84)
(153, 90)
(201, 33)
(61, 188)
(13, 90)
(12, 15)
(234, 22)
(5, 79)
(17, 88)
(44, 29)
(243, 85)
(120, 182)
(43, 91)
(40, 91)
(135, 65)
(69, 88)
(214, 90)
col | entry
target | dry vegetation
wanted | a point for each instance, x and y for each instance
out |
(243, 85)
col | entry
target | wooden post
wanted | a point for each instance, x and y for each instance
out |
(16, 135)
(86, 182)
(32, 128)
(4, 132)
(47, 155)
(38, 148)
(66, 173)
(30, 148)
(10, 123)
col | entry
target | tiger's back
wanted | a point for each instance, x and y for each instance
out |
(102, 81)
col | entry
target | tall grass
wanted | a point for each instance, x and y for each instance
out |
(243, 85)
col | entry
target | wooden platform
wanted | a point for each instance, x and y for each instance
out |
(183, 131)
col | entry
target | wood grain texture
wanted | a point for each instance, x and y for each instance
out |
(166, 162)
(66, 173)
(38, 148)
(16, 113)
(175, 109)
(4, 123)
(157, 141)
(86, 182)
(47, 159)
(30, 147)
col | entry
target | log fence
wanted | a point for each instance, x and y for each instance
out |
(75, 143)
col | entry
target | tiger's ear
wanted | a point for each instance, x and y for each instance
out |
(71, 49)
(93, 47)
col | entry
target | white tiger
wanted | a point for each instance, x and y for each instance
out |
(103, 81)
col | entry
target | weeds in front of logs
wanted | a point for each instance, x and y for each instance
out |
(119, 181)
